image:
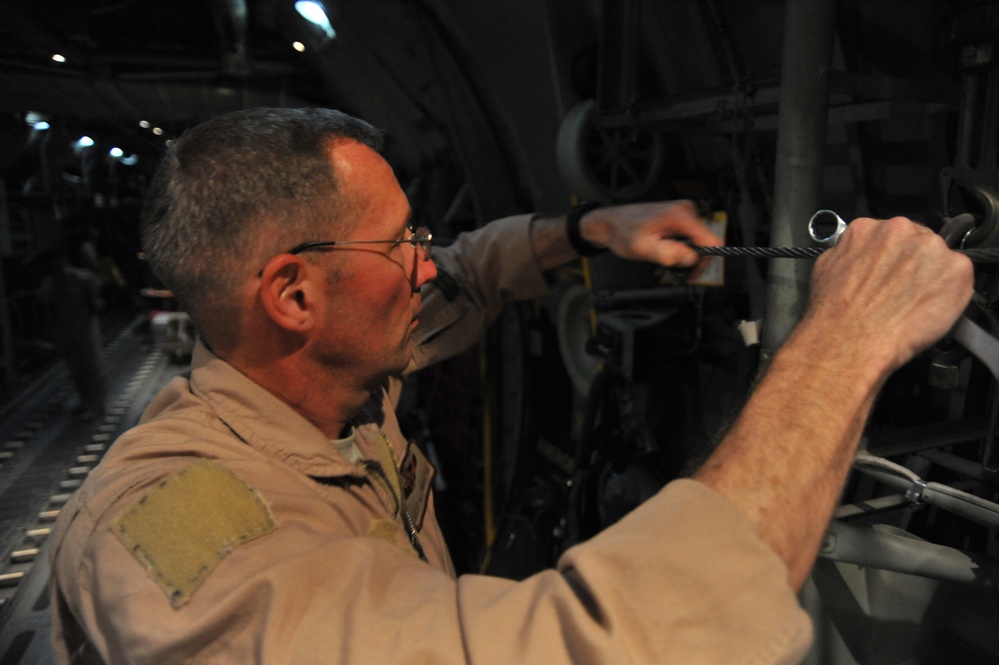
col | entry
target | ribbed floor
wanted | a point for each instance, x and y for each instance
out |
(45, 453)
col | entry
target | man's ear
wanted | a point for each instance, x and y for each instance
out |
(287, 292)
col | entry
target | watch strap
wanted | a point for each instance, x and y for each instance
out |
(576, 240)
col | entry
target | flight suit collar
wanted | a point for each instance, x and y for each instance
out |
(263, 421)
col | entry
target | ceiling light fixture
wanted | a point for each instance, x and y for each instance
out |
(84, 142)
(314, 12)
(58, 57)
(36, 120)
(298, 46)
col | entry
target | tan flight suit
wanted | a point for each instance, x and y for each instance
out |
(225, 528)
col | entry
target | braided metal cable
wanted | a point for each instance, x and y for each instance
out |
(976, 255)
(763, 252)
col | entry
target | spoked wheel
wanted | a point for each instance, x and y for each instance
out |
(607, 163)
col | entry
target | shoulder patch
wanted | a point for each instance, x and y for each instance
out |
(183, 526)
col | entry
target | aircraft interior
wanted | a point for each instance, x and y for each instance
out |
(576, 407)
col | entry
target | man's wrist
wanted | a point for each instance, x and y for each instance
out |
(572, 229)
(818, 342)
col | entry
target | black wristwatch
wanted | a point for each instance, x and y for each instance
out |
(576, 240)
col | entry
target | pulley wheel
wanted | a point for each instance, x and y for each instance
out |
(607, 164)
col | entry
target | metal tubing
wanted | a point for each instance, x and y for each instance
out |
(952, 462)
(666, 296)
(892, 443)
(891, 549)
(801, 137)
(965, 505)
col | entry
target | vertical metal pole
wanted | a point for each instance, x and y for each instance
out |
(809, 26)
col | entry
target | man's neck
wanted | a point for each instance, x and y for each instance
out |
(329, 400)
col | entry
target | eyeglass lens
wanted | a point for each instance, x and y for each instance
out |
(424, 239)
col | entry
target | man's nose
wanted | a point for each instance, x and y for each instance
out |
(423, 270)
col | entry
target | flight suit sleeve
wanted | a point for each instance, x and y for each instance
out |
(683, 579)
(480, 272)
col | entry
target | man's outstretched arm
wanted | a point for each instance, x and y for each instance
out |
(657, 231)
(886, 292)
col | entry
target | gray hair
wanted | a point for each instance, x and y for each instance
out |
(236, 190)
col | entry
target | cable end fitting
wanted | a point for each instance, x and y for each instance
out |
(826, 227)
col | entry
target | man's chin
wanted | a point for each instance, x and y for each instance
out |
(405, 359)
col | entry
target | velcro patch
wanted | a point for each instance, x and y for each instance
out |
(385, 529)
(182, 527)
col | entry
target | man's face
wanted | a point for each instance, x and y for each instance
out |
(375, 299)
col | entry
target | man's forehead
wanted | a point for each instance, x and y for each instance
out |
(348, 156)
(367, 180)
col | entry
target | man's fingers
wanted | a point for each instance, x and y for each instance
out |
(677, 253)
(660, 232)
(892, 282)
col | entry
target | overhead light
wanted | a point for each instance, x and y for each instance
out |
(58, 57)
(116, 152)
(314, 12)
(131, 160)
(42, 125)
(35, 119)
(298, 46)
(144, 124)
(157, 131)
(84, 142)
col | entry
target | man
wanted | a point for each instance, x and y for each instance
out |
(257, 515)
(72, 292)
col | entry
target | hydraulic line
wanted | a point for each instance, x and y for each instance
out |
(888, 548)
(969, 506)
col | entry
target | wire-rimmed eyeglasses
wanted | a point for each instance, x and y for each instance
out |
(420, 236)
